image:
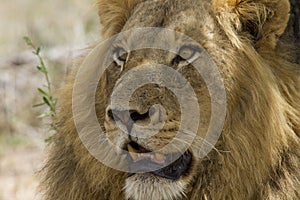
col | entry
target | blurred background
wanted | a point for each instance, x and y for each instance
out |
(62, 29)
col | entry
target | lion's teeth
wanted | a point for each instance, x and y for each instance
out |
(160, 157)
(134, 156)
(132, 152)
(131, 149)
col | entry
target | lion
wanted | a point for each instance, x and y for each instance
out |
(257, 155)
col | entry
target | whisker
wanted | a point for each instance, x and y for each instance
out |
(190, 134)
(177, 148)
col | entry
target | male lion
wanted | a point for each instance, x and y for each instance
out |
(257, 155)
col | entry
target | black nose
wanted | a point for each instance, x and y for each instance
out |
(127, 117)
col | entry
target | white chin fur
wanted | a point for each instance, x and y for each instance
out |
(150, 187)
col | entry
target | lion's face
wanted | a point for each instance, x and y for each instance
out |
(153, 107)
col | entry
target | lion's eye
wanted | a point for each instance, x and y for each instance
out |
(120, 56)
(186, 54)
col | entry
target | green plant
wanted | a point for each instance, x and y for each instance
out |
(46, 92)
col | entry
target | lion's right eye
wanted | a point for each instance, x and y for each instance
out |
(120, 56)
(186, 54)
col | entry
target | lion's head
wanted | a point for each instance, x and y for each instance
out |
(257, 154)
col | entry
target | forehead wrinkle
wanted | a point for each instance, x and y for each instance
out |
(160, 39)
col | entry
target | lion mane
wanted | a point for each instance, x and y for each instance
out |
(260, 142)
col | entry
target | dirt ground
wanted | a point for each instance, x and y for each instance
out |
(61, 28)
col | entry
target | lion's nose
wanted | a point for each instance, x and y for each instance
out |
(127, 117)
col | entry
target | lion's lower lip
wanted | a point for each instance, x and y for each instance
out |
(173, 171)
(176, 169)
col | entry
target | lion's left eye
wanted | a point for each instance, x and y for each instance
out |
(120, 56)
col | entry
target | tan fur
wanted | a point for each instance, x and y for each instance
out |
(223, 3)
(113, 14)
(258, 153)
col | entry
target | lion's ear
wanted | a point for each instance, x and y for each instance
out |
(113, 14)
(264, 20)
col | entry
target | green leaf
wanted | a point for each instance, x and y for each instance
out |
(39, 68)
(28, 41)
(38, 105)
(38, 50)
(42, 69)
(45, 114)
(46, 100)
(43, 92)
(49, 103)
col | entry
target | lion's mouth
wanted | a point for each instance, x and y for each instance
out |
(143, 160)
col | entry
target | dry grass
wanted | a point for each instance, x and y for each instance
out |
(21, 157)
(59, 27)
(50, 23)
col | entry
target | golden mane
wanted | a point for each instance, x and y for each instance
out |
(262, 128)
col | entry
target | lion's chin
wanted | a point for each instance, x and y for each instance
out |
(151, 187)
